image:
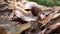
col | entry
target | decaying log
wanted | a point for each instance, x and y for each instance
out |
(41, 19)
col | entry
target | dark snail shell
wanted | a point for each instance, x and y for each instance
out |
(35, 10)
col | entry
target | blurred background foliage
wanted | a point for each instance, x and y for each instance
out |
(47, 2)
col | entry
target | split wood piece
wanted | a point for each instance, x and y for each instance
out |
(56, 16)
(52, 27)
(50, 17)
(24, 27)
(2, 31)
